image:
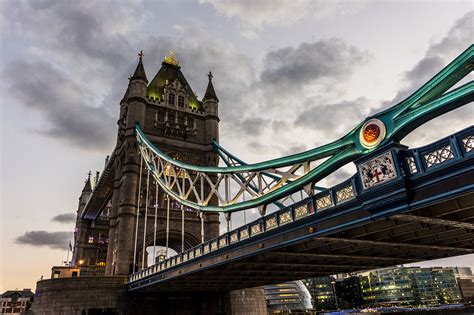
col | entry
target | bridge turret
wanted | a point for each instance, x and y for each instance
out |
(86, 192)
(136, 95)
(211, 110)
(81, 229)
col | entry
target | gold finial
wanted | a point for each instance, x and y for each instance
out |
(170, 59)
(141, 54)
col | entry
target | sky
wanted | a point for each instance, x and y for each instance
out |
(290, 76)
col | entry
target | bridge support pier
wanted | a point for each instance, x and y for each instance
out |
(248, 302)
(108, 295)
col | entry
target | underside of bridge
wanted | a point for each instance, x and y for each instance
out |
(436, 230)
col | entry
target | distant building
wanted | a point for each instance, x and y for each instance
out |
(387, 287)
(445, 286)
(349, 293)
(403, 286)
(322, 292)
(16, 302)
(466, 287)
(287, 297)
(423, 286)
(462, 272)
(64, 272)
(465, 280)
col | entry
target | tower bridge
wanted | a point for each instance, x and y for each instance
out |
(163, 186)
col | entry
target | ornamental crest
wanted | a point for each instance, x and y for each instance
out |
(378, 170)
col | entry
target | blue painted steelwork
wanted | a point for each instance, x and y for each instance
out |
(392, 125)
(462, 149)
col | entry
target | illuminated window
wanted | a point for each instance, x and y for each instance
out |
(180, 102)
(171, 99)
(91, 239)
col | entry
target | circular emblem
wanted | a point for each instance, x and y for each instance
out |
(372, 133)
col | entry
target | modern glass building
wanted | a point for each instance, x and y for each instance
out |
(322, 292)
(423, 287)
(387, 287)
(445, 286)
(287, 297)
(348, 293)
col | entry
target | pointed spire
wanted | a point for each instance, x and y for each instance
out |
(87, 183)
(210, 92)
(139, 73)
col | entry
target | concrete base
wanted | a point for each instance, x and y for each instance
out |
(107, 295)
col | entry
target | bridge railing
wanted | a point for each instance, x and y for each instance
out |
(414, 163)
(446, 150)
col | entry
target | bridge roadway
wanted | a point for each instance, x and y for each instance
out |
(425, 211)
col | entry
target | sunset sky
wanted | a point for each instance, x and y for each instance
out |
(290, 75)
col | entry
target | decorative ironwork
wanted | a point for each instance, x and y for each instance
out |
(244, 234)
(271, 223)
(234, 238)
(345, 194)
(411, 165)
(256, 229)
(285, 217)
(197, 252)
(214, 245)
(439, 156)
(301, 211)
(468, 143)
(178, 260)
(185, 257)
(377, 170)
(323, 202)
(191, 254)
(223, 242)
(206, 249)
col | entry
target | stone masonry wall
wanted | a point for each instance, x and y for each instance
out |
(248, 302)
(79, 295)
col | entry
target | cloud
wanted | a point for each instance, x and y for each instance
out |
(62, 102)
(254, 15)
(64, 73)
(75, 71)
(53, 240)
(65, 218)
(253, 126)
(294, 148)
(287, 84)
(334, 119)
(437, 56)
(325, 61)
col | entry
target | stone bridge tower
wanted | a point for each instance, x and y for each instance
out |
(180, 125)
